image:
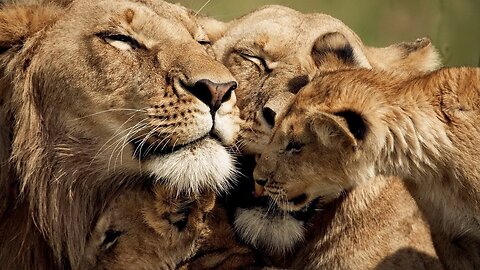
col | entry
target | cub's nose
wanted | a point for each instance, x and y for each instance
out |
(212, 94)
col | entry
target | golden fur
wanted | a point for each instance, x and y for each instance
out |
(98, 96)
(275, 50)
(153, 228)
(346, 127)
(148, 229)
(272, 58)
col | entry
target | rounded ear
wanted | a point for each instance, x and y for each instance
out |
(333, 51)
(419, 56)
(215, 29)
(343, 129)
(19, 22)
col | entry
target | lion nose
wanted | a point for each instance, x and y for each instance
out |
(212, 94)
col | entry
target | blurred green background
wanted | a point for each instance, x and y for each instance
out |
(453, 25)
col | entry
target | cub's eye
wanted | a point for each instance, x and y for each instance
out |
(204, 42)
(260, 62)
(110, 238)
(121, 42)
(294, 147)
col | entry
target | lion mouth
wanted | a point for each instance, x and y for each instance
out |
(143, 149)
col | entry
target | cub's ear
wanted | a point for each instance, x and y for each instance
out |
(215, 29)
(419, 56)
(343, 129)
(332, 51)
(19, 22)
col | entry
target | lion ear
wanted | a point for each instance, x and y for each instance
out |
(215, 29)
(419, 56)
(340, 130)
(333, 51)
(19, 22)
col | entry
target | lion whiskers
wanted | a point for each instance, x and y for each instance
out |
(202, 7)
(110, 110)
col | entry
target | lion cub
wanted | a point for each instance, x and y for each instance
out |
(348, 126)
(154, 228)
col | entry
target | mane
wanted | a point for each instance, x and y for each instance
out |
(42, 219)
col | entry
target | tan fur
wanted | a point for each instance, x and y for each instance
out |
(372, 227)
(350, 126)
(157, 229)
(221, 249)
(276, 36)
(290, 44)
(81, 108)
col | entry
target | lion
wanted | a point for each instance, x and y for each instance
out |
(346, 127)
(148, 228)
(154, 228)
(272, 57)
(97, 97)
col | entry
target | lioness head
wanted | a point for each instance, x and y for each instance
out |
(273, 52)
(100, 94)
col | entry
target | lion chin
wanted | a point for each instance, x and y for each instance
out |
(191, 168)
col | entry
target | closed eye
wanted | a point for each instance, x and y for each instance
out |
(110, 238)
(260, 62)
(121, 42)
(204, 42)
(294, 147)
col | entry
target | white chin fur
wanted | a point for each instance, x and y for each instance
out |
(199, 166)
(277, 234)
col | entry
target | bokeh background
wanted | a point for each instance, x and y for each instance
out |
(453, 25)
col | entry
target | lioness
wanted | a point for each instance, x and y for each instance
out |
(346, 127)
(273, 52)
(97, 96)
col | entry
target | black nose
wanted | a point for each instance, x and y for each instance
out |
(261, 182)
(212, 94)
(269, 115)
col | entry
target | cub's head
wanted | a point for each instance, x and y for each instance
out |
(328, 140)
(126, 87)
(150, 228)
(275, 51)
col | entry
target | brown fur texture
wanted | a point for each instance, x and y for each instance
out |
(272, 57)
(150, 228)
(96, 97)
(221, 249)
(346, 127)
(155, 228)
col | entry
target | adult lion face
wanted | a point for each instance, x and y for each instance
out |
(274, 51)
(102, 94)
(133, 85)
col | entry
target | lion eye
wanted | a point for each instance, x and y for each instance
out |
(110, 238)
(204, 42)
(294, 147)
(121, 42)
(260, 62)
